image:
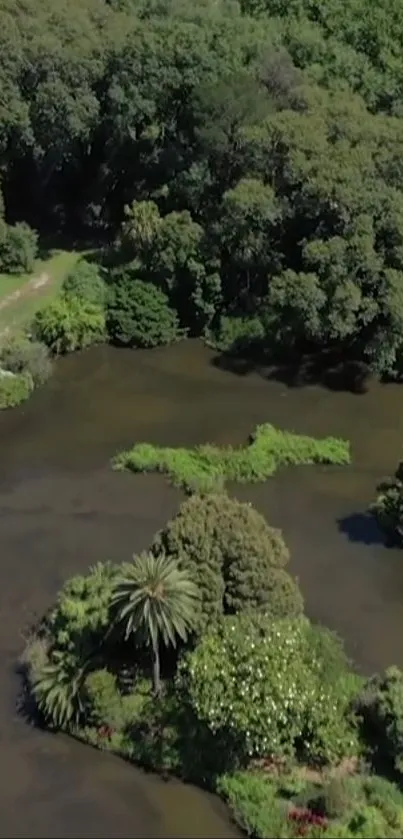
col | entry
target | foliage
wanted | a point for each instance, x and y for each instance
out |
(388, 506)
(139, 314)
(81, 616)
(14, 389)
(155, 600)
(18, 249)
(238, 334)
(85, 283)
(233, 555)
(102, 699)
(368, 807)
(208, 467)
(260, 683)
(256, 806)
(20, 355)
(68, 325)
(380, 705)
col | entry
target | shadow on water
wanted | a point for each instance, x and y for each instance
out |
(63, 509)
(362, 527)
(328, 370)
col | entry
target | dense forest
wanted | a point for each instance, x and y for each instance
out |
(245, 159)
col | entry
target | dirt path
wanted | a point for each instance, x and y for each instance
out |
(25, 291)
(31, 285)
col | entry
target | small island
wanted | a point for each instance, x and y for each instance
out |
(208, 467)
(196, 659)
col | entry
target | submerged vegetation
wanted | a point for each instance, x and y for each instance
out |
(181, 662)
(209, 467)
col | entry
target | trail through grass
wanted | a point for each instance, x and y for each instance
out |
(21, 309)
(209, 467)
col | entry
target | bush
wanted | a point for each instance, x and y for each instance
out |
(208, 467)
(14, 389)
(85, 283)
(68, 325)
(380, 705)
(388, 507)
(233, 555)
(19, 249)
(19, 355)
(258, 682)
(139, 315)
(253, 800)
(81, 615)
(103, 700)
(238, 335)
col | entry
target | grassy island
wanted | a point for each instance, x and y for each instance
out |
(196, 659)
(210, 467)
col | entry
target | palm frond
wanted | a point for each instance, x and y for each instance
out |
(155, 598)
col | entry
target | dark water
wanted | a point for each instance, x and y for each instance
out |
(62, 509)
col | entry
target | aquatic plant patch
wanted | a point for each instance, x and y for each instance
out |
(208, 467)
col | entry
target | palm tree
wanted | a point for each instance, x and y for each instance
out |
(156, 600)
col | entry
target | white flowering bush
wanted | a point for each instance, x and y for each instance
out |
(262, 682)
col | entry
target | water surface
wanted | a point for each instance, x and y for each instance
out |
(62, 509)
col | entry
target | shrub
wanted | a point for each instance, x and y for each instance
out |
(388, 506)
(102, 699)
(139, 315)
(208, 467)
(380, 705)
(19, 249)
(81, 615)
(258, 682)
(68, 325)
(21, 355)
(256, 807)
(14, 389)
(233, 555)
(85, 283)
(238, 335)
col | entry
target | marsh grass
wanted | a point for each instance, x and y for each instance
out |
(208, 467)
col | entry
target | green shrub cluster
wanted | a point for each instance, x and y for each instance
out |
(66, 325)
(19, 354)
(237, 560)
(352, 807)
(262, 684)
(18, 249)
(388, 506)
(14, 389)
(208, 467)
(139, 314)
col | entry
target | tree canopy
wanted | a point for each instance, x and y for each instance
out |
(245, 155)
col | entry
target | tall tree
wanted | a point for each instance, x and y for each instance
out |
(155, 600)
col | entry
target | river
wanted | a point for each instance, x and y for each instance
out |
(62, 509)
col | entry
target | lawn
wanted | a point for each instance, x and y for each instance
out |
(21, 310)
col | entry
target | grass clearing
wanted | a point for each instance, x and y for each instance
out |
(19, 311)
(207, 467)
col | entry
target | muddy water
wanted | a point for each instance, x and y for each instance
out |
(61, 509)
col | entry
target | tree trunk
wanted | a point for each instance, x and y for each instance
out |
(156, 669)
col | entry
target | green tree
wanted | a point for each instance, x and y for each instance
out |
(138, 313)
(261, 688)
(234, 556)
(155, 601)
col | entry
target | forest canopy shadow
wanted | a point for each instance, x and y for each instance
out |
(326, 369)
